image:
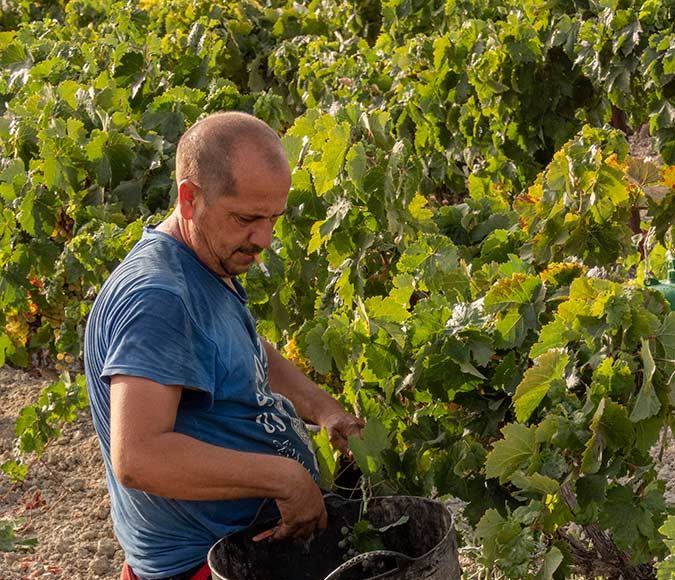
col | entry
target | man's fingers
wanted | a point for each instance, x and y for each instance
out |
(297, 530)
(339, 442)
(266, 534)
(301, 532)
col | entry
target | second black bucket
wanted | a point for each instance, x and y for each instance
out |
(423, 548)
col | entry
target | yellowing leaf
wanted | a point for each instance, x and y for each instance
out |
(418, 208)
(668, 176)
(518, 289)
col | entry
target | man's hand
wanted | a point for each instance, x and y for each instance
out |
(341, 425)
(301, 505)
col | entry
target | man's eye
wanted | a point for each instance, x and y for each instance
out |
(244, 220)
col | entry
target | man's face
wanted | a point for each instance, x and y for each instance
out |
(228, 231)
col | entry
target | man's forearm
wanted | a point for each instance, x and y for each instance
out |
(180, 467)
(313, 404)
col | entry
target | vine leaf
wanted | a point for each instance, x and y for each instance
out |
(647, 403)
(611, 429)
(548, 371)
(665, 340)
(552, 561)
(512, 452)
(368, 448)
(666, 569)
(535, 483)
(325, 456)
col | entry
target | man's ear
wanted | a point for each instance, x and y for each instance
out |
(187, 191)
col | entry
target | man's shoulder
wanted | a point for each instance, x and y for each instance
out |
(157, 262)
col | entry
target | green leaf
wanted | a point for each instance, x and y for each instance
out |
(316, 351)
(591, 489)
(26, 215)
(387, 309)
(555, 334)
(5, 345)
(323, 230)
(510, 329)
(548, 371)
(622, 515)
(68, 92)
(52, 172)
(512, 452)
(611, 429)
(487, 530)
(129, 193)
(418, 208)
(9, 541)
(332, 140)
(665, 341)
(367, 449)
(647, 403)
(326, 458)
(666, 570)
(612, 378)
(668, 530)
(591, 458)
(535, 483)
(611, 420)
(357, 165)
(552, 561)
(15, 470)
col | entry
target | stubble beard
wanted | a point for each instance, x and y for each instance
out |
(249, 251)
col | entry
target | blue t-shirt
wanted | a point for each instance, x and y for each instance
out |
(164, 316)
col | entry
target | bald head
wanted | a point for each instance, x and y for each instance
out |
(211, 152)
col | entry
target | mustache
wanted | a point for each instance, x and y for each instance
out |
(251, 250)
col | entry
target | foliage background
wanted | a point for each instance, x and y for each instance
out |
(466, 256)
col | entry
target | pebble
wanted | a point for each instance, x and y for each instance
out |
(77, 484)
(62, 546)
(47, 576)
(106, 547)
(88, 535)
(99, 566)
(102, 513)
(82, 552)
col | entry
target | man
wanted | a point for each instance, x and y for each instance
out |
(196, 414)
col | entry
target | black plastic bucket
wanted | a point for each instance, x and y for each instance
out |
(423, 548)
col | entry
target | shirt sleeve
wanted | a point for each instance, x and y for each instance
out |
(153, 336)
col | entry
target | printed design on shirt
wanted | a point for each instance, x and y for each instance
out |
(275, 419)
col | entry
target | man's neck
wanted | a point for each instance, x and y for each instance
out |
(229, 282)
(171, 226)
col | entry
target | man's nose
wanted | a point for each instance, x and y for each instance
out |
(261, 235)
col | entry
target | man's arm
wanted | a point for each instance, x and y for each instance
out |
(313, 404)
(148, 455)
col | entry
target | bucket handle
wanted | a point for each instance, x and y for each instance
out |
(401, 560)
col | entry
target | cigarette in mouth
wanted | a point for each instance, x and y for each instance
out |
(261, 265)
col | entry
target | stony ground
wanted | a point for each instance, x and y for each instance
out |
(63, 501)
